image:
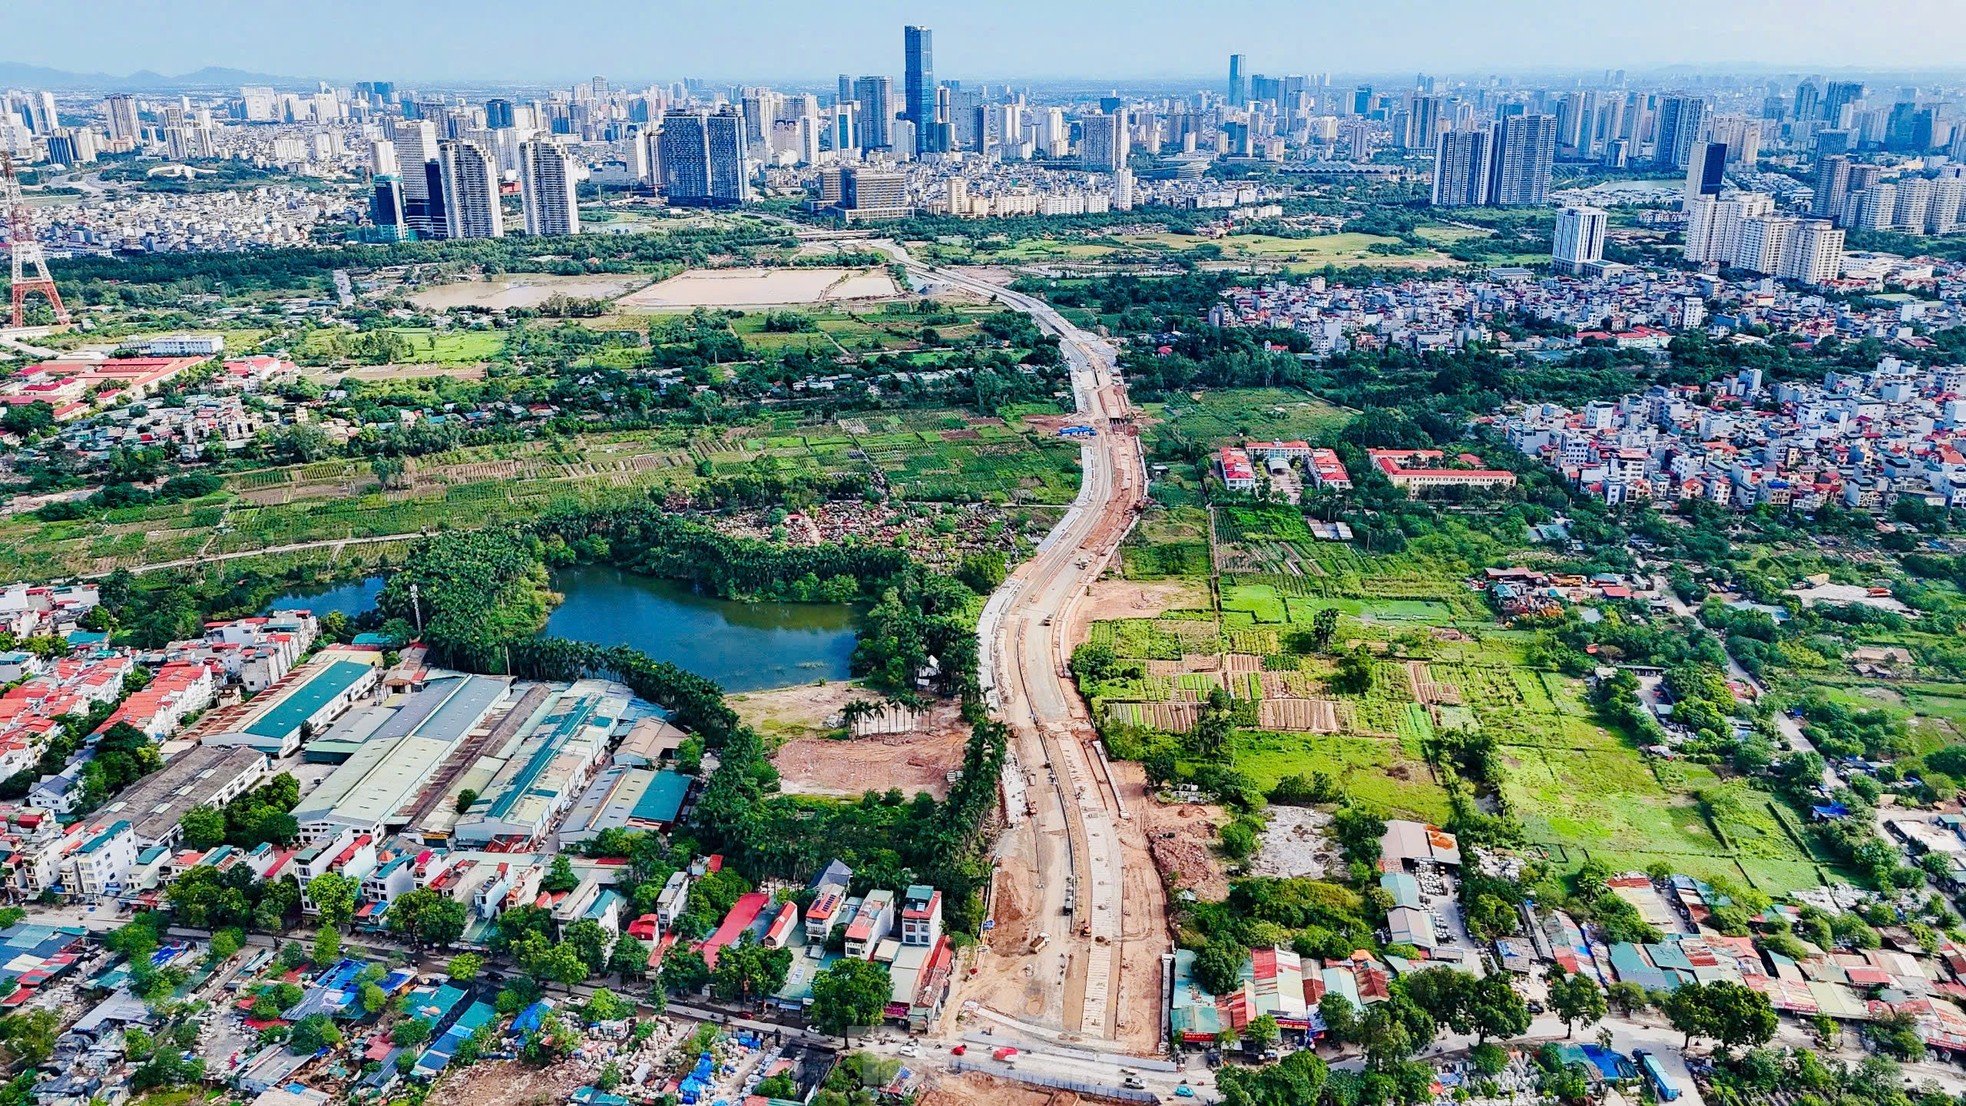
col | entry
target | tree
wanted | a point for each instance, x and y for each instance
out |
(1213, 729)
(629, 958)
(204, 827)
(312, 1034)
(748, 970)
(333, 896)
(466, 966)
(590, 940)
(1740, 1015)
(561, 964)
(426, 918)
(850, 994)
(1495, 1008)
(327, 946)
(1576, 998)
(226, 944)
(1340, 1018)
(411, 1031)
(1626, 997)
(1686, 1010)
(684, 972)
(559, 877)
(1324, 626)
(1262, 1031)
(606, 1006)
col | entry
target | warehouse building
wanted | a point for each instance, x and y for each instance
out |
(389, 769)
(626, 798)
(206, 775)
(546, 769)
(305, 703)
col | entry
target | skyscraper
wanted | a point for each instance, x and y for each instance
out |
(1832, 185)
(1103, 145)
(1837, 96)
(1461, 169)
(120, 111)
(386, 208)
(422, 178)
(547, 189)
(1680, 120)
(918, 83)
(1521, 154)
(1238, 79)
(1578, 244)
(498, 115)
(1706, 170)
(875, 95)
(470, 190)
(703, 157)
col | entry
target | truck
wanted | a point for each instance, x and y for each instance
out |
(1662, 1084)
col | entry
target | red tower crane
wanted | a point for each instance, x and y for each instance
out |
(25, 247)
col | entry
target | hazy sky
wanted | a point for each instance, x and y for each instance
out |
(411, 40)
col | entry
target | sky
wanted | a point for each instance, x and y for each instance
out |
(633, 41)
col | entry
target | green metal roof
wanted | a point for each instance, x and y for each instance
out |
(664, 798)
(308, 698)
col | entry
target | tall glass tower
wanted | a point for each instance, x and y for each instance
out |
(919, 85)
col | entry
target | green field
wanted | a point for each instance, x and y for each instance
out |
(433, 347)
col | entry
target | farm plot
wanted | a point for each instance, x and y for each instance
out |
(1379, 771)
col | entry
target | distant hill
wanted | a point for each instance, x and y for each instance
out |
(22, 75)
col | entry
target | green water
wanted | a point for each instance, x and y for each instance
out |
(742, 646)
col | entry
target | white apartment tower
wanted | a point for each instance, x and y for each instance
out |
(547, 186)
(1579, 241)
(470, 178)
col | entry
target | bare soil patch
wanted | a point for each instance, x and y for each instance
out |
(1294, 843)
(813, 764)
(508, 1083)
(1182, 837)
(972, 1088)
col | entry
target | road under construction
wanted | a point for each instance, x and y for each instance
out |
(1095, 974)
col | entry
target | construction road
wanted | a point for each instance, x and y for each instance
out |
(1094, 890)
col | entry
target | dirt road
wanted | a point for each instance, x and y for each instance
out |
(1093, 887)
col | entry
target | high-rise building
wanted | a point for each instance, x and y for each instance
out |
(1706, 170)
(1521, 154)
(470, 188)
(386, 208)
(1837, 98)
(1680, 121)
(1832, 186)
(498, 115)
(1815, 253)
(1238, 79)
(1578, 244)
(1808, 101)
(548, 190)
(1423, 123)
(702, 155)
(120, 113)
(918, 84)
(1713, 224)
(1461, 169)
(872, 194)
(1362, 100)
(422, 178)
(875, 95)
(1104, 141)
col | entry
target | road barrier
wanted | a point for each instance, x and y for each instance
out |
(1054, 1082)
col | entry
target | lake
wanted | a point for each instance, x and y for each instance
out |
(742, 646)
(351, 598)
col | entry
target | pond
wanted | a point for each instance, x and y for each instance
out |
(351, 598)
(742, 646)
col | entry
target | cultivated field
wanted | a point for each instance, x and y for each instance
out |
(1438, 661)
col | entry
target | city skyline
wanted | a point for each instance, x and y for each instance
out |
(1134, 43)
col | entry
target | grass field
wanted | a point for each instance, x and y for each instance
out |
(447, 347)
(1221, 416)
